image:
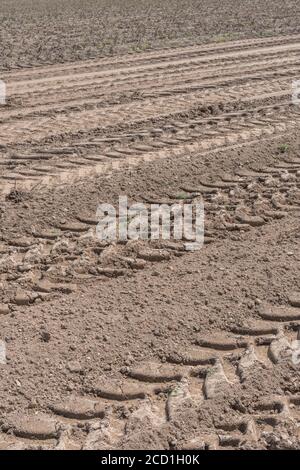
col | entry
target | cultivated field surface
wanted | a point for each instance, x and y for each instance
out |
(143, 344)
(35, 32)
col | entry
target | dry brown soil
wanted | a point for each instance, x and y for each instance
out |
(143, 345)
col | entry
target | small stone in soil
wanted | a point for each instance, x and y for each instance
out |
(45, 336)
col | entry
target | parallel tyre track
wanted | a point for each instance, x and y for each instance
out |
(159, 56)
(178, 119)
(149, 90)
(159, 393)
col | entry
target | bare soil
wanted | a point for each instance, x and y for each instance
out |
(144, 345)
(35, 32)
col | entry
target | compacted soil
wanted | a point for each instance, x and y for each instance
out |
(143, 344)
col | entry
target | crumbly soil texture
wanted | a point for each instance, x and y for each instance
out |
(142, 344)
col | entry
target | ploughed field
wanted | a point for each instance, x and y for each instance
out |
(35, 32)
(143, 345)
